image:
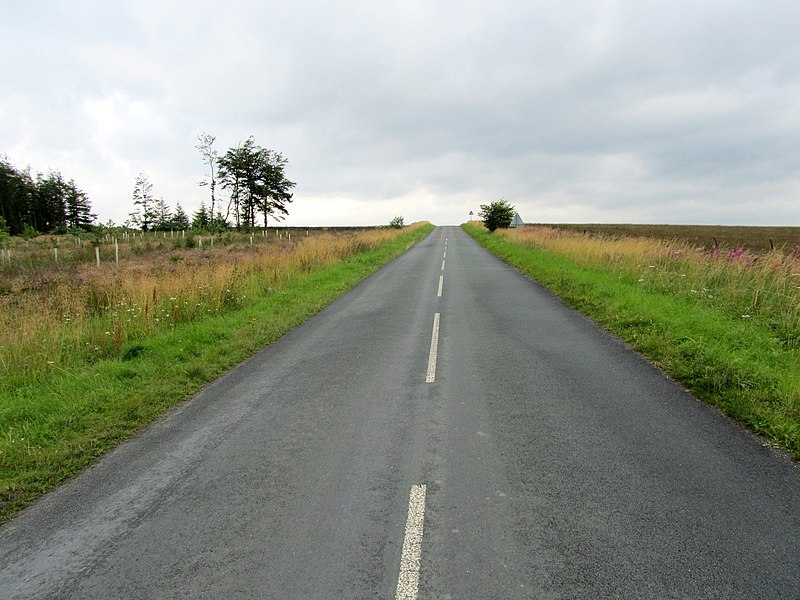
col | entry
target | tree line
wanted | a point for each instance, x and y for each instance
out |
(253, 179)
(44, 202)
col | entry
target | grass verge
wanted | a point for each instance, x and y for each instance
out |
(741, 366)
(54, 426)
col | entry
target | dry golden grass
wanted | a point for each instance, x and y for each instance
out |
(756, 239)
(743, 284)
(53, 315)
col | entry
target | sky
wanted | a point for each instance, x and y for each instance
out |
(574, 111)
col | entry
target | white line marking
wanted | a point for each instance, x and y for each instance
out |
(445, 254)
(443, 265)
(408, 581)
(441, 283)
(431, 376)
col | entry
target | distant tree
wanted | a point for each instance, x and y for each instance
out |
(218, 223)
(201, 219)
(48, 212)
(145, 215)
(210, 159)
(78, 211)
(180, 220)
(162, 215)
(233, 173)
(396, 223)
(4, 231)
(256, 182)
(44, 203)
(29, 232)
(497, 214)
(277, 187)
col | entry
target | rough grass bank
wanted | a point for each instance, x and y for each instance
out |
(725, 323)
(91, 355)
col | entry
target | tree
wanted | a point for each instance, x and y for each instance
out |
(163, 216)
(46, 202)
(396, 223)
(200, 219)
(49, 207)
(78, 212)
(145, 215)
(277, 186)
(233, 173)
(497, 214)
(180, 220)
(218, 223)
(4, 229)
(257, 183)
(210, 158)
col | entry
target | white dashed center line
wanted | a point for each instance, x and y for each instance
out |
(408, 581)
(441, 283)
(443, 265)
(431, 376)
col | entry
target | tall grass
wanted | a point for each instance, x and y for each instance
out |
(58, 315)
(724, 322)
(754, 238)
(131, 342)
(742, 284)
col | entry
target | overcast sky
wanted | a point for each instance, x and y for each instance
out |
(572, 110)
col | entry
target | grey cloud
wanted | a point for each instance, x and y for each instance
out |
(618, 110)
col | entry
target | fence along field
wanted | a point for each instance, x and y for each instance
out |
(67, 301)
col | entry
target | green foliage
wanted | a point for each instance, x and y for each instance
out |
(98, 235)
(145, 215)
(73, 416)
(180, 220)
(4, 231)
(46, 203)
(200, 219)
(163, 216)
(256, 181)
(396, 223)
(29, 231)
(740, 365)
(497, 214)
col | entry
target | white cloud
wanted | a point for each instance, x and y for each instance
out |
(601, 110)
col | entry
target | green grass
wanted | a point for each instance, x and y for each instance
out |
(52, 427)
(740, 365)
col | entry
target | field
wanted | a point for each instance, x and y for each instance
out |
(754, 239)
(59, 308)
(89, 354)
(723, 321)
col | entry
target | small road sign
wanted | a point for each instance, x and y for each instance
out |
(516, 222)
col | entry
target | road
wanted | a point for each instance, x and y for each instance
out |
(448, 429)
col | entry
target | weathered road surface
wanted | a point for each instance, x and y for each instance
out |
(555, 463)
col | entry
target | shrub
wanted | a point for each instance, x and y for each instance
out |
(29, 232)
(498, 214)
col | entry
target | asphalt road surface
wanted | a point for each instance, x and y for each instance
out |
(448, 429)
